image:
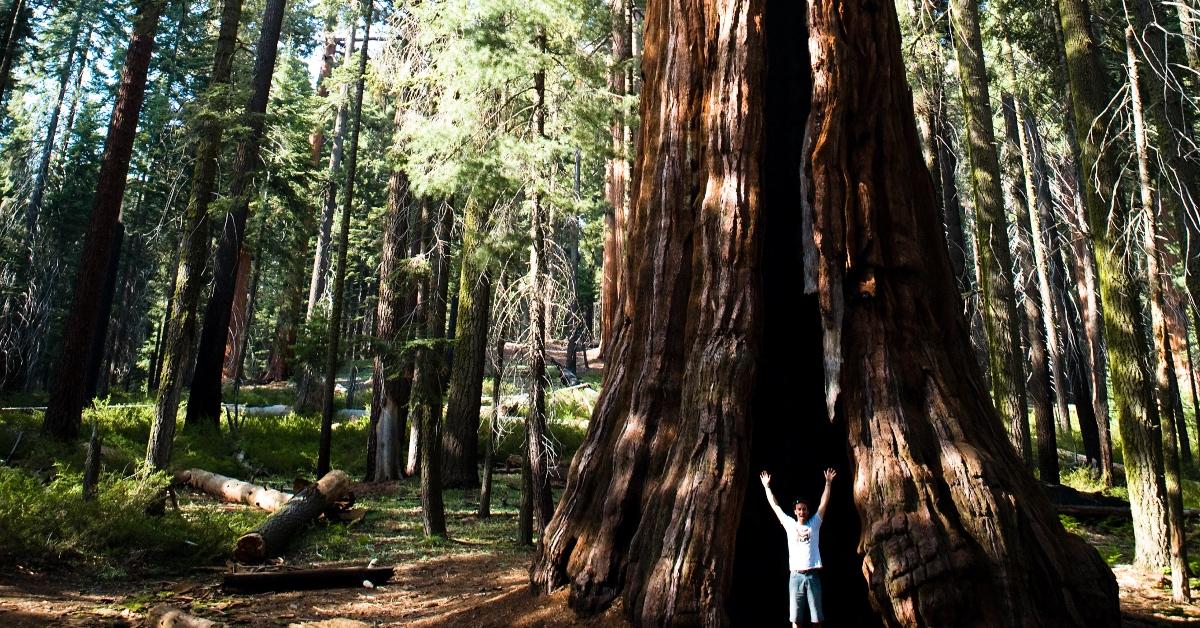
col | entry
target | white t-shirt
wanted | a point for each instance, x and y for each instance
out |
(804, 542)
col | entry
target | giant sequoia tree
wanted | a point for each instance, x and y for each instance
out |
(738, 123)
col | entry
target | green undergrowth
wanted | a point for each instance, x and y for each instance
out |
(47, 523)
(392, 531)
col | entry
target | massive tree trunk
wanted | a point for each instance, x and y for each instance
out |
(333, 357)
(460, 442)
(204, 405)
(189, 280)
(1109, 220)
(67, 391)
(953, 528)
(999, 303)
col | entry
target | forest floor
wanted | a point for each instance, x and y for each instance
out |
(114, 565)
(478, 577)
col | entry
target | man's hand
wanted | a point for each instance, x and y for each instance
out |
(829, 475)
(765, 478)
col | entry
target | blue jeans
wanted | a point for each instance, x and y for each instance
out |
(804, 596)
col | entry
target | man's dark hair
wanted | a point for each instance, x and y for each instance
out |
(797, 502)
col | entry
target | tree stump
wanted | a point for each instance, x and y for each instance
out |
(277, 531)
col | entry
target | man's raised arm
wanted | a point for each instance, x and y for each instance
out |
(766, 482)
(829, 475)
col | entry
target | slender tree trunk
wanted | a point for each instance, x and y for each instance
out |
(1038, 194)
(1030, 273)
(389, 407)
(308, 388)
(489, 443)
(1124, 329)
(1037, 200)
(535, 423)
(332, 357)
(617, 175)
(34, 206)
(63, 414)
(316, 139)
(1088, 282)
(205, 403)
(280, 362)
(1162, 341)
(77, 89)
(96, 353)
(995, 257)
(460, 442)
(321, 258)
(427, 379)
(15, 29)
(239, 314)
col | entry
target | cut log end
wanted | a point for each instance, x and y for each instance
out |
(251, 548)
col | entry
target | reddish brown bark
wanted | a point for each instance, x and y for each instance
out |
(237, 317)
(616, 174)
(63, 414)
(954, 529)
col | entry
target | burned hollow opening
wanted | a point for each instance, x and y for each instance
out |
(792, 437)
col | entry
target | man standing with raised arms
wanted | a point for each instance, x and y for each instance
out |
(804, 551)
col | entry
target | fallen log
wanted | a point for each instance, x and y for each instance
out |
(292, 580)
(232, 490)
(273, 535)
(164, 616)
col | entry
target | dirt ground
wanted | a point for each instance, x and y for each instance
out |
(464, 590)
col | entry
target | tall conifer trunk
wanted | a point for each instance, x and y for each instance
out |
(1085, 259)
(390, 390)
(617, 173)
(1125, 331)
(1035, 305)
(999, 303)
(460, 442)
(204, 405)
(1164, 363)
(82, 327)
(188, 281)
(333, 357)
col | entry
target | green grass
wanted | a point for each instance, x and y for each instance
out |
(45, 523)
